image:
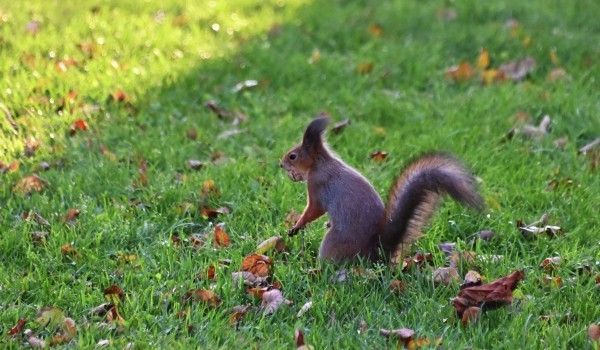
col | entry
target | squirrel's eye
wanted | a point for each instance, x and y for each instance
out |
(293, 156)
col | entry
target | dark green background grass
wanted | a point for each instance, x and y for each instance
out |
(169, 62)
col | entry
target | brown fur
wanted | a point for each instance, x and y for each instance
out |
(359, 223)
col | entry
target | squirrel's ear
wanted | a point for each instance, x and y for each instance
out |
(312, 140)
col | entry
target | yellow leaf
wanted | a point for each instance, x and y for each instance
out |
(460, 73)
(527, 41)
(483, 61)
(554, 57)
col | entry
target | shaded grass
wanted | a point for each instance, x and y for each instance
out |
(170, 67)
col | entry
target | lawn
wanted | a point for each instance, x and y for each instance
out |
(139, 119)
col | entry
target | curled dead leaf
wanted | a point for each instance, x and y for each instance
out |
(195, 164)
(239, 312)
(304, 309)
(18, 327)
(378, 156)
(271, 301)
(30, 183)
(257, 264)
(202, 295)
(221, 239)
(488, 296)
(594, 332)
(114, 294)
(276, 244)
(472, 278)
(461, 73)
(247, 278)
(397, 287)
(518, 70)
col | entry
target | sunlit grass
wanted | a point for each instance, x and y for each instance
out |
(169, 59)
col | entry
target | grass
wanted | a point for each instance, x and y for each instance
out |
(169, 61)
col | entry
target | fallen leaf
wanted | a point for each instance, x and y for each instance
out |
(68, 250)
(4, 168)
(40, 236)
(259, 265)
(397, 287)
(108, 154)
(465, 257)
(35, 342)
(247, 278)
(244, 85)
(239, 312)
(118, 96)
(221, 239)
(339, 127)
(31, 145)
(114, 294)
(594, 332)
(460, 73)
(202, 295)
(32, 215)
(191, 134)
(102, 309)
(376, 30)
(550, 264)
(208, 187)
(518, 70)
(30, 183)
(102, 344)
(77, 126)
(304, 309)
(489, 76)
(558, 74)
(315, 56)
(445, 275)
(274, 243)
(271, 301)
(470, 315)
(533, 230)
(554, 57)
(488, 296)
(483, 61)
(50, 317)
(378, 156)
(291, 218)
(206, 212)
(472, 278)
(402, 333)
(221, 113)
(365, 67)
(552, 281)
(17, 328)
(299, 338)
(447, 248)
(71, 216)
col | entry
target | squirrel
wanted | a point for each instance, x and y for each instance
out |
(360, 226)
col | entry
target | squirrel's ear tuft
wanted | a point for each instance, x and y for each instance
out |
(312, 140)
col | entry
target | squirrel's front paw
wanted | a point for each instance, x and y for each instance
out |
(294, 230)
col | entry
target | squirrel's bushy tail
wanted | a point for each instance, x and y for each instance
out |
(412, 199)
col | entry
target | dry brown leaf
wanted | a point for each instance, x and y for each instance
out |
(552, 281)
(68, 250)
(465, 257)
(191, 134)
(77, 126)
(339, 127)
(221, 239)
(195, 164)
(488, 296)
(17, 328)
(533, 230)
(30, 183)
(403, 333)
(206, 212)
(378, 156)
(202, 295)
(397, 287)
(472, 278)
(445, 275)
(221, 113)
(447, 248)
(276, 244)
(239, 312)
(471, 315)
(71, 216)
(40, 236)
(460, 73)
(299, 338)
(102, 309)
(259, 265)
(558, 74)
